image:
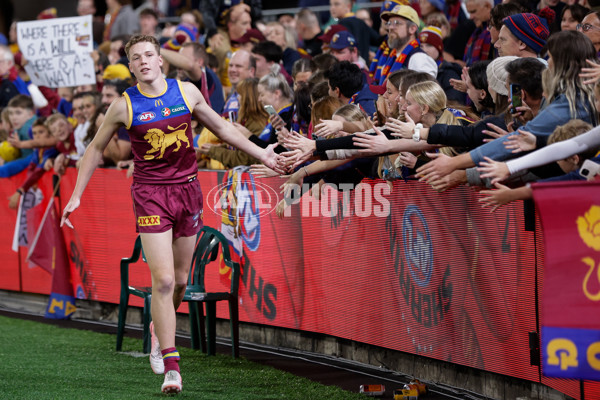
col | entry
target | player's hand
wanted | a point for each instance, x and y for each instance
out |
(71, 206)
(272, 160)
(13, 201)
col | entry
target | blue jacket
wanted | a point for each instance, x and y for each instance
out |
(542, 126)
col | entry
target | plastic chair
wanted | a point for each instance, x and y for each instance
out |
(206, 251)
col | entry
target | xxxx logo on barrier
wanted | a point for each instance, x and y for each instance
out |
(150, 220)
(588, 226)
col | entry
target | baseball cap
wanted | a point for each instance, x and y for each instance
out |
(341, 40)
(251, 36)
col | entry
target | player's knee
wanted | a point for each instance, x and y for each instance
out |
(164, 284)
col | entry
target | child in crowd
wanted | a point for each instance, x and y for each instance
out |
(65, 105)
(41, 161)
(62, 130)
(88, 105)
(21, 116)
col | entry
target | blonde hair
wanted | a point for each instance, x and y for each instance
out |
(431, 94)
(352, 113)
(52, 119)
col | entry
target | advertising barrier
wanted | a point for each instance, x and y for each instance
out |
(399, 267)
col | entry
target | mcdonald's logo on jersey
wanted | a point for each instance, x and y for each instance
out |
(158, 103)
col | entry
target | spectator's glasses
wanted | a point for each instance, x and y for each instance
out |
(394, 23)
(586, 27)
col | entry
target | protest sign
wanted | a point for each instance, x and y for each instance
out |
(58, 51)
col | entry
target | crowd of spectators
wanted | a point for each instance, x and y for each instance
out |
(450, 92)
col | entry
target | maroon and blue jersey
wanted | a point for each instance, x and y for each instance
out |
(161, 135)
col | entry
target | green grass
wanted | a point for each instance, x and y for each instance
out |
(41, 361)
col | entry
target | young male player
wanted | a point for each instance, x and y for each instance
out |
(166, 195)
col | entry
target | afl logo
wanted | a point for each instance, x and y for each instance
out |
(243, 201)
(418, 248)
(146, 116)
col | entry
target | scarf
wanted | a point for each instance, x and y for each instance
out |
(479, 46)
(111, 20)
(375, 67)
(394, 63)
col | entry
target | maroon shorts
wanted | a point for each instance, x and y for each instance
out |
(158, 208)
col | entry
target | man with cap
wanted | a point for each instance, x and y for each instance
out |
(343, 47)
(402, 23)
(365, 36)
(249, 39)
(522, 35)
(430, 39)
(326, 37)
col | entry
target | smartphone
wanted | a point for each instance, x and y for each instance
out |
(232, 116)
(380, 117)
(515, 96)
(270, 109)
(589, 169)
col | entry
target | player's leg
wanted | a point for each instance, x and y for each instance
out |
(159, 255)
(183, 252)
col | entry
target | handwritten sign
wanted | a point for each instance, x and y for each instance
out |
(58, 51)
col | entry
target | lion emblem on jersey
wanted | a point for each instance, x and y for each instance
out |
(160, 141)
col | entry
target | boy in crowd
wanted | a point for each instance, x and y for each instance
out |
(41, 161)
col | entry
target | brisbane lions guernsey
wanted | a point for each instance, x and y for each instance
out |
(161, 135)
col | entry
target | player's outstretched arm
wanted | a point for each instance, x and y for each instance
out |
(225, 130)
(116, 115)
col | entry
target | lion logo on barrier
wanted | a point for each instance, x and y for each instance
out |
(160, 140)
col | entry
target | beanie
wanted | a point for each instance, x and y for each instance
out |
(432, 35)
(528, 28)
(497, 74)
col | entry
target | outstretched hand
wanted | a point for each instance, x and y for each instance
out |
(401, 129)
(590, 74)
(522, 141)
(71, 206)
(494, 131)
(496, 171)
(272, 160)
(439, 166)
(372, 144)
(327, 127)
(496, 198)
